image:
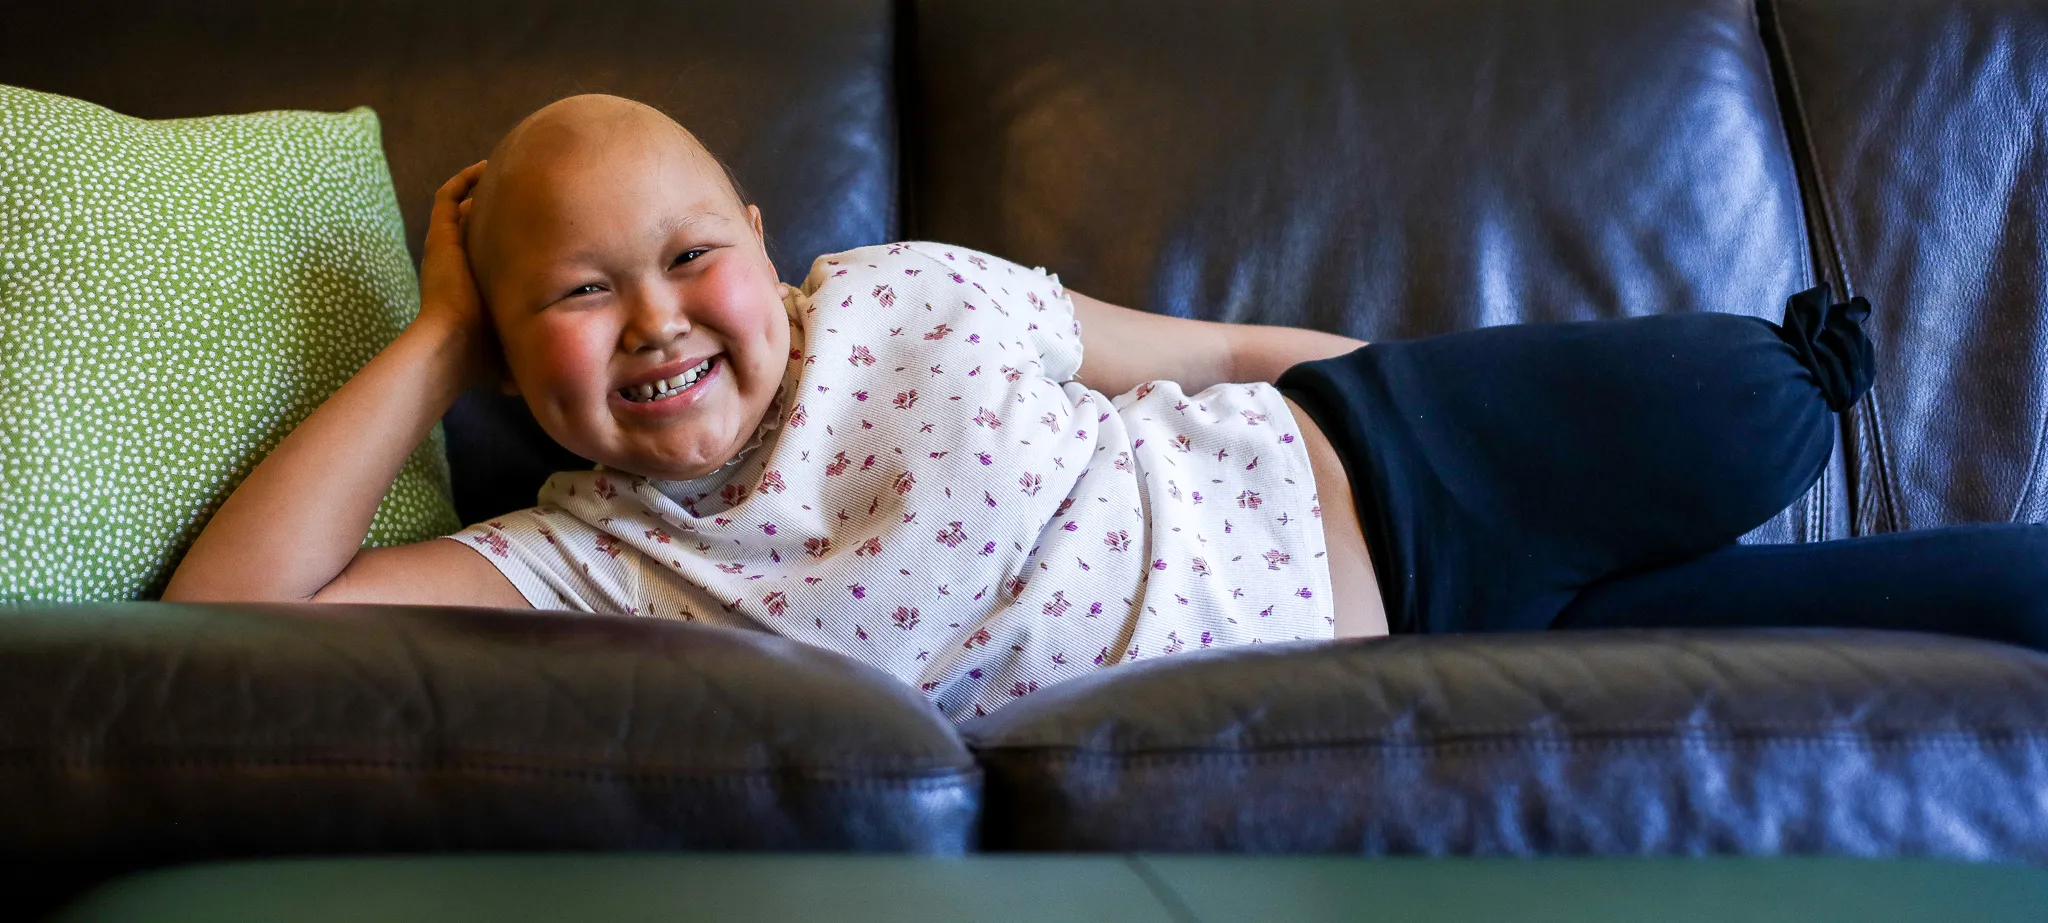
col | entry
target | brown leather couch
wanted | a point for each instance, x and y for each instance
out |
(1381, 168)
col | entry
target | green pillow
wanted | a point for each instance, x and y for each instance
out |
(175, 296)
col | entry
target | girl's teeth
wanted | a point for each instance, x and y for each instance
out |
(667, 387)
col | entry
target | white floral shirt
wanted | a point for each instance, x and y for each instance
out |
(936, 496)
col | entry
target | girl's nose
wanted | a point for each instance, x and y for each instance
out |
(655, 318)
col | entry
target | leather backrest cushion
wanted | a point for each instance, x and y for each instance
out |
(1676, 743)
(1382, 170)
(1376, 169)
(1924, 119)
(795, 94)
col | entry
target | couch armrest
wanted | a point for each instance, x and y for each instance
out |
(1580, 743)
(145, 733)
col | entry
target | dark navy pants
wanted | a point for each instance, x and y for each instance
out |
(1598, 474)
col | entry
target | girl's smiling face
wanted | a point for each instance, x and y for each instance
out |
(640, 316)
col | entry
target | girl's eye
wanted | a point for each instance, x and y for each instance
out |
(689, 255)
(585, 290)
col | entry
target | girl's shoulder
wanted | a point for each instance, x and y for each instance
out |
(921, 298)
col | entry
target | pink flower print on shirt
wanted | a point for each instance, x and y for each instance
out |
(906, 617)
(768, 528)
(603, 486)
(1010, 373)
(1071, 526)
(608, 545)
(1253, 417)
(988, 549)
(1030, 484)
(548, 534)
(860, 395)
(837, 465)
(797, 416)
(1305, 593)
(1266, 612)
(1022, 689)
(1102, 658)
(1275, 557)
(1059, 605)
(1094, 610)
(1118, 540)
(1015, 586)
(1248, 500)
(952, 536)
(939, 332)
(861, 356)
(906, 399)
(980, 637)
(659, 536)
(1199, 567)
(1208, 639)
(1144, 389)
(776, 603)
(732, 568)
(771, 480)
(885, 295)
(978, 262)
(1254, 464)
(733, 492)
(1159, 564)
(988, 418)
(985, 458)
(858, 591)
(1051, 421)
(1183, 443)
(1173, 643)
(904, 482)
(869, 548)
(1064, 506)
(1123, 461)
(497, 543)
(1039, 303)
(818, 547)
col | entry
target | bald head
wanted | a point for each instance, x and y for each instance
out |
(572, 137)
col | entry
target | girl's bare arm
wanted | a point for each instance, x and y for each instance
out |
(1122, 348)
(293, 530)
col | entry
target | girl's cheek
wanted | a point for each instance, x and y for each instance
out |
(567, 355)
(736, 292)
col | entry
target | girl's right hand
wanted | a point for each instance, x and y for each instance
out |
(448, 292)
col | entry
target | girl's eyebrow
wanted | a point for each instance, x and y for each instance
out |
(673, 225)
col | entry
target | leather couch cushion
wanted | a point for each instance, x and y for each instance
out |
(795, 94)
(1381, 170)
(1610, 743)
(1921, 118)
(143, 734)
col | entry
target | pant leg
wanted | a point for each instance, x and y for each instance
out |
(1499, 471)
(1983, 581)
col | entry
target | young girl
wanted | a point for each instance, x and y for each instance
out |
(916, 460)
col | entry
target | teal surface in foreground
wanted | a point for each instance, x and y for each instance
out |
(685, 888)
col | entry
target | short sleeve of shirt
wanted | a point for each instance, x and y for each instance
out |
(1032, 300)
(558, 562)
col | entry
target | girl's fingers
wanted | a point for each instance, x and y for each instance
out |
(460, 184)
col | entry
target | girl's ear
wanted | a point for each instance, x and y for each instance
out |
(754, 218)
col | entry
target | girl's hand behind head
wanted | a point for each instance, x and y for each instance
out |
(448, 292)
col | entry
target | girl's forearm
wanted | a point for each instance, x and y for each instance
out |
(1261, 353)
(298, 519)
